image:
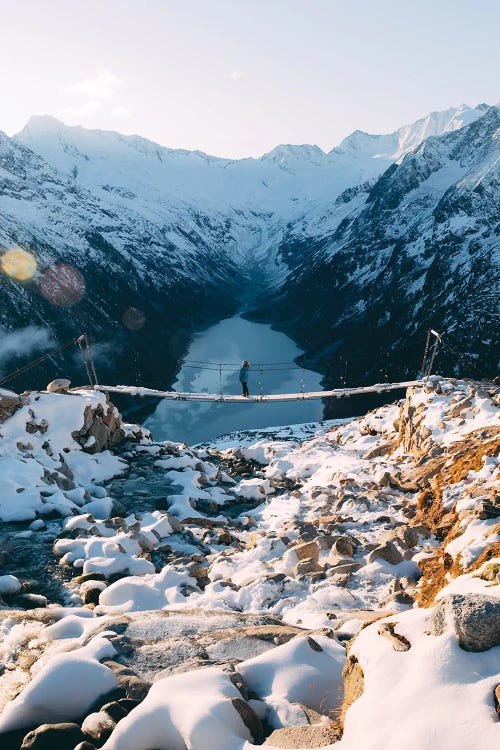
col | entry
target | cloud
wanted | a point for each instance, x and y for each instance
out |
(103, 85)
(235, 75)
(23, 342)
(94, 107)
(94, 100)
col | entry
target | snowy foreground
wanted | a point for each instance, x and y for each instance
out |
(333, 585)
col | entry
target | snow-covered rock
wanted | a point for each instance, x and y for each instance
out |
(372, 579)
(63, 689)
(42, 463)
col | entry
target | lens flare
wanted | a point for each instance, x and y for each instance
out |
(62, 285)
(133, 319)
(18, 264)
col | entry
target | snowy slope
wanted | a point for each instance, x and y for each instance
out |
(171, 265)
(363, 571)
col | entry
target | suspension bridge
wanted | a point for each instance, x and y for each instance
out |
(229, 398)
(84, 347)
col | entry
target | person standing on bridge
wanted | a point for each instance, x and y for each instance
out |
(245, 368)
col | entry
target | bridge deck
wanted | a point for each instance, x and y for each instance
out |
(264, 398)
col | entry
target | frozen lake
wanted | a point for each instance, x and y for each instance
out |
(231, 341)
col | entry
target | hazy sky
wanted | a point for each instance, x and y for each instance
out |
(237, 77)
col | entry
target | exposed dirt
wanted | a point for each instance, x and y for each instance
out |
(451, 467)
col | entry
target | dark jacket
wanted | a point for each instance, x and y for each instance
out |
(244, 374)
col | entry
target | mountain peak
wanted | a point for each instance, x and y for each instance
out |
(296, 152)
(42, 124)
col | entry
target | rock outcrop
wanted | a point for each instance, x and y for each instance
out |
(475, 618)
(9, 402)
(101, 429)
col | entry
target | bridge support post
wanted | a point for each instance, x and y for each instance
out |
(434, 350)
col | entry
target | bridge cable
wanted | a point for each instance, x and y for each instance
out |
(463, 357)
(35, 362)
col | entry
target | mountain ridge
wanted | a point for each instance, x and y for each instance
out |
(453, 117)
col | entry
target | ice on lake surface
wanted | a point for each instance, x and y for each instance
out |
(232, 341)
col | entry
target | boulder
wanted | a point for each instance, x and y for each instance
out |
(30, 601)
(388, 552)
(174, 523)
(306, 551)
(307, 532)
(134, 687)
(306, 566)
(59, 385)
(8, 399)
(378, 450)
(345, 567)
(407, 536)
(53, 737)
(475, 618)
(354, 683)
(115, 710)
(9, 402)
(496, 695)
(308, 736)
(399, 642)
(250, 719)
(98, 726)
(197, 570)
(91, 595)
(127, 703)
(222, 536)
(343, 546)
(102, 429)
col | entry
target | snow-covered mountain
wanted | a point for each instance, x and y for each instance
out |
(178, 233)
(132, 168)
(173, 268)
(420, 248)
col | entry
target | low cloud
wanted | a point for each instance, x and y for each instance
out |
(235, 75)
(101, 86)
(92, 108)
(23, 342)
(94, 99)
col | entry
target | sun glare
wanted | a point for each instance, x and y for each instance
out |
(18, 264)
(62, 285)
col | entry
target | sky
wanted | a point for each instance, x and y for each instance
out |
(235, 78)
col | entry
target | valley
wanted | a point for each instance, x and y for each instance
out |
(373, 242)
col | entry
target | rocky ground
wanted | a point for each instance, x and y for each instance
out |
(303, 587)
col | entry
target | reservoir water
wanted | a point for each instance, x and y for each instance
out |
(231, 341)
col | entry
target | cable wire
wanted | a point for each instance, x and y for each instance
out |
(36, 362)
